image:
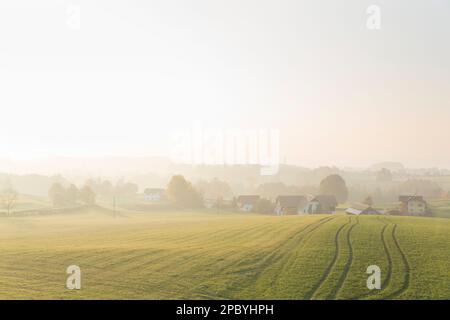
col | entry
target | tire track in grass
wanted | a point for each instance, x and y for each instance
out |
(277, 253)
(273, 255)
(292, 241)
(348, 264)
(407, 267)
(312, 292)
(277, 250)
(387, 280)
(305, 237)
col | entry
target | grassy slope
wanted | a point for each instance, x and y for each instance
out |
(198, 255)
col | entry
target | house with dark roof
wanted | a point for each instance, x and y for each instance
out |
(247, 203)
(413, 206)
(286, 205)
(321, 204)
(364, 209)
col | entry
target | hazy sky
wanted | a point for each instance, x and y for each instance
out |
(132, 73)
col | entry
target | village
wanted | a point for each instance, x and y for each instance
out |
(408, 205)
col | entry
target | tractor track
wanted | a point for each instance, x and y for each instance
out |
(313, 291)
(290, 242)
(406, 277)
(348, 264)
(387, 280)
(406, 265)
(295, 239)
(287, 247)
(305, 237)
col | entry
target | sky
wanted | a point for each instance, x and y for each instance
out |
(121, 78)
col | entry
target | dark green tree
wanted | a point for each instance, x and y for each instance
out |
(334, 185)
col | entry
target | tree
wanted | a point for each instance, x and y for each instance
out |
(368, 201)
(334, 185)
(8, 198)
(106, 189)
(87, 196)
(72, 194)
(384, 175)
(182, 193)
(214, 189)
(57, 194)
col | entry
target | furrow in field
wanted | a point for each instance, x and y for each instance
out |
(387, 279)
(292, 241)
(287, 258)
(277, 255)
(406, 267)
(311, 294)
(348, 264)
(224, 264)
(129, 261)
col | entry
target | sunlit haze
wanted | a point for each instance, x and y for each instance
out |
(135, 72)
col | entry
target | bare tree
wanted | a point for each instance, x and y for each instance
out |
(8, 198)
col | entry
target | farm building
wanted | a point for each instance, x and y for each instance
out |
(364, 209)
(285, 205)
(413, 206)
(321, 204)
(247, 203)
(154, 194)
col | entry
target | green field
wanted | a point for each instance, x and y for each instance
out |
(175, 255)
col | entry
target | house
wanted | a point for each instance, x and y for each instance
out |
(357, 209)
(321, 204)
(154, 194)
(247, 203)
(413, 206)
(285, 205)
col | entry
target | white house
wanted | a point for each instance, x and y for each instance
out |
(413, 206)
(154, 194)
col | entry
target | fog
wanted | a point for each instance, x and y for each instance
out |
(119, 79)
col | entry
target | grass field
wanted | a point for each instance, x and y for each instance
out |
(172, 255)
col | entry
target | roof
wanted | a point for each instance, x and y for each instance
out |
(291, 201)
(406, 199)
(358, 208)
(326, 200)
(353, 211)
(248, 199)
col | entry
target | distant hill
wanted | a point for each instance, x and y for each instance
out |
(392, 166)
